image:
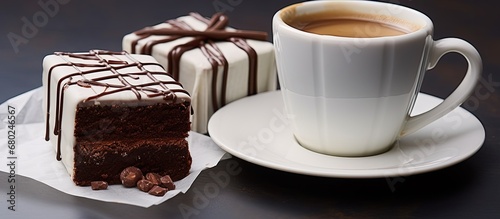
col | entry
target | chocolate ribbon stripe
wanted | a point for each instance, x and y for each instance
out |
(209, 35)
(205, 41)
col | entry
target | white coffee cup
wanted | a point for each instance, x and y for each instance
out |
(350, 96)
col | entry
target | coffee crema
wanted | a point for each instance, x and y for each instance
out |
(345, 27)
(348, 24)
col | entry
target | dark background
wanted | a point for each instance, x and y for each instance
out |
(467, 190)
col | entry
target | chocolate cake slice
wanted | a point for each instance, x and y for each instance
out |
(106, 111)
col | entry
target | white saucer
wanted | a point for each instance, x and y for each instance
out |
(255, 129)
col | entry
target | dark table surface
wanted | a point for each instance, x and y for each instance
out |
(470, 189)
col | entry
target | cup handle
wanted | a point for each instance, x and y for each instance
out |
(461, 93)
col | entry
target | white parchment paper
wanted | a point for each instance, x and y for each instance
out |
(35, 158)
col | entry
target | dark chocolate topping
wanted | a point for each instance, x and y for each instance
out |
(94, 78)
(204, 40)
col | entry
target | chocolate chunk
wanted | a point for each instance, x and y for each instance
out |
(166, 182)
(154, 178)
(99, 185)
(158, 191)
(130, 176)
(145, 185)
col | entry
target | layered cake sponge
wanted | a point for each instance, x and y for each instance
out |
(106, 111)
(215, 63)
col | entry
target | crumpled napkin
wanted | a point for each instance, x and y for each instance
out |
(35, 158)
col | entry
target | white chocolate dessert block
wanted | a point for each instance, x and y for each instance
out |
(195, 70)
(89, 89)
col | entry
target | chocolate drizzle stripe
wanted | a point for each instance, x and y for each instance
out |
(252, 70)
(215, 72)
(216, 58)
(119, 76)
(59, 124)
(252, 57)
(47, 114)
(87, 80)
(144, 87)
(204, 40)
(213, 34)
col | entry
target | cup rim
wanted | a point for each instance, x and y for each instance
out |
(426, 26)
